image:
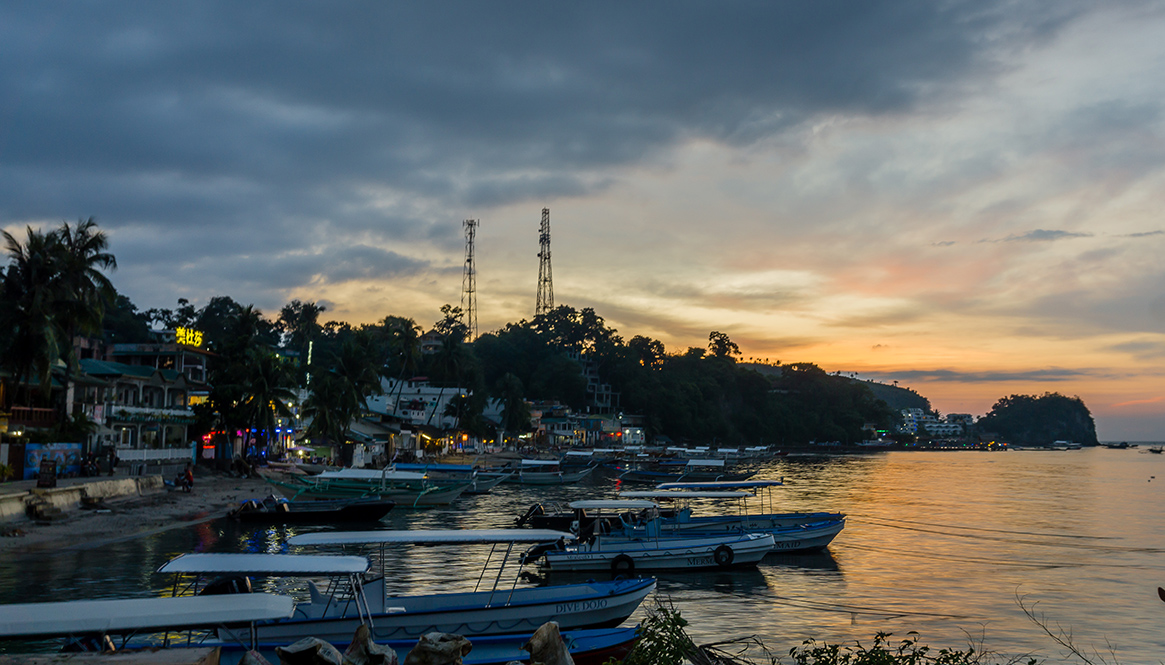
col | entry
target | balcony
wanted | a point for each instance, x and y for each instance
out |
(146, 414)
(23, 417)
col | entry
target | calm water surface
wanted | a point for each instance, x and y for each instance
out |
(938, 543)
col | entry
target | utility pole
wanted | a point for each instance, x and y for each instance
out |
(545, 277)
(469, 282)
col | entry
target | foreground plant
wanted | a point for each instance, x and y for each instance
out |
(906, 652)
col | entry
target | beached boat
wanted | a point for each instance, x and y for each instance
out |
(792, 532)
(629, 550)
(278, 510)
(349, 598)
(546, 472)
(406, 488)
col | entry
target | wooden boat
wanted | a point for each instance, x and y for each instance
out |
(334, 613)
(546, 472)
(629, 551)
(792, 532)
(278, 510)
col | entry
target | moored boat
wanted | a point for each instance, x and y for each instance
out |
(628, 550)
(501, 608)
(278, 510)
(546, 472)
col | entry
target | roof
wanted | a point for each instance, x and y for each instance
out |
(429, 536)
(266, 564)
(612, 504)
(680, 494)
(370, 474)
(140, 614)
(720, 485)
(106, 368)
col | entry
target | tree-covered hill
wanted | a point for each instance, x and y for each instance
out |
(1030, 420)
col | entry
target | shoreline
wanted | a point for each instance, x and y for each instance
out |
(133, 517)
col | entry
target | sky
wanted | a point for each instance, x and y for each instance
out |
(964, 197)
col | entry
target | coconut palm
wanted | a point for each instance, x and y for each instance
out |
(84, 289)
(269, 384)
(29, 313)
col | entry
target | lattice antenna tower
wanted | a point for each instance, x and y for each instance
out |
(545, 276)
(469, 282)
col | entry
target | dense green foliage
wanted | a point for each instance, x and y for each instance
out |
(1031, 420)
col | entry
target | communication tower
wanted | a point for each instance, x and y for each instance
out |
(469, 282)
(545, 277)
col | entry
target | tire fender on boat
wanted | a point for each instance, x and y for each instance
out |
(622, 564)
(723, 556)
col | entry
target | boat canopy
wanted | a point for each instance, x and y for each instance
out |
(685, 494)
(720, 485)
(579, 453)
(705, 462)
(429, 536)
(612, 504)
(434, 467)
(371, 474)
(540, 462)
(131, 615)
(290, 565)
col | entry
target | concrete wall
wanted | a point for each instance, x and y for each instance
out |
(14, 505)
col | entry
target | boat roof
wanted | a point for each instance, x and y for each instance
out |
(705, 462)
(720, 485)
(371, 474)
(430, 536)
(685, 494)
(433, 467)
(266, 564)
(128, 615)
(540, 462)
(612, 504)
(580, 453)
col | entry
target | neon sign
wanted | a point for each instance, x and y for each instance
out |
(189, 336)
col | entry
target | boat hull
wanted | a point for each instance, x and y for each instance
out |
(316, 512)
(587, 647)
(790, 534)
(621, 554)
(573, 606)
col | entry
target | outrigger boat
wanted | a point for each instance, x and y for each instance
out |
(487, 610)
(406, 488)
(689, 470)
(633, 549)
(546, 472)
(792, 532)
(481, 481)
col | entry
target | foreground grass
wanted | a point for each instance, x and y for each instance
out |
(663, 641)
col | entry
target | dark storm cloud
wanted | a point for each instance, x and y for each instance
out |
(215, 123)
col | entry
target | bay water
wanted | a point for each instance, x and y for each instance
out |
(951, 545)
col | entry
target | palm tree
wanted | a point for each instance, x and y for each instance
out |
(406, 344)
(84, 289)
(28, 309)
(331, 407)
(268, 385)
(515, 411)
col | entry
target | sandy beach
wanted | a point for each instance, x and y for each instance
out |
(134, 516)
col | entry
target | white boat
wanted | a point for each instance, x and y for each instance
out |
(127, 618)
(497, 609)
(546, 472)
(792, 532)
(648, 549)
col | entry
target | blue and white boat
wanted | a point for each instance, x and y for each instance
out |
(640, 545)
(497, 608)
(792, 532)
